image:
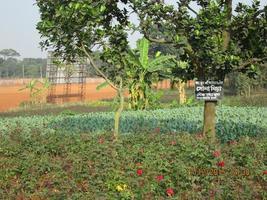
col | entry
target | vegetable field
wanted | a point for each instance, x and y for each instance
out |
(232, 122)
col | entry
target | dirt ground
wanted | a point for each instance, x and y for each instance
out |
(11, 97)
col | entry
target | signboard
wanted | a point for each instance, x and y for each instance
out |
(209, 90)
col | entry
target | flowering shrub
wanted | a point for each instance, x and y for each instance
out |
(159, 178)
(220, 164)
(139, 172)
(139, 166)
(170, 192)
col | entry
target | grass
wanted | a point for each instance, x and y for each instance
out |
(141, 166)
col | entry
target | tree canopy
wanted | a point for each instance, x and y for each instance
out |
(210, 42)
(213, 40)
(9, 53)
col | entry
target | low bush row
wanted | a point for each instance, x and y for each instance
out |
(139, 166)
(232, 122)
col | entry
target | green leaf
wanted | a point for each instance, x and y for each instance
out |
(158, 63)
(177, 38)
(102, 85)
(158, 54)
(182, 64)
(132, 58)
(102, 8)
(143, 47)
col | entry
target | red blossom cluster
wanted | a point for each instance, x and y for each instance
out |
(220, 164)
(159, 178)
(139, 172)
(169, 191)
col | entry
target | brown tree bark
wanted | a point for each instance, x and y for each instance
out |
(182, 95)
(210, 120)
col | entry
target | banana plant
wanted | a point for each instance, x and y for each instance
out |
(36, 88)
(143, 72)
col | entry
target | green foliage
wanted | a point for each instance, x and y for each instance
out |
(213, 39)
(143, 72)
(81, 166)
(102, 85)
(232, 122)
(36, 89)
(68, 113)
(241, 84)
(32, 68)
(243, 101)
(9, 53)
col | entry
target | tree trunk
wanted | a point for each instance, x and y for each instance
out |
(118, 115)
(182, 95)
(209, 120)
(181, 89)
(210, 106)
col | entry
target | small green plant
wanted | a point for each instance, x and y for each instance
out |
(143, 72)
(37, 89)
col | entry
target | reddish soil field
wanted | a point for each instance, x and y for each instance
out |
(11, 97)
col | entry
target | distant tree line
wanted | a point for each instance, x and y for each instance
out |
(12, 67)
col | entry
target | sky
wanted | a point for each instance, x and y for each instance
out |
(18, 19)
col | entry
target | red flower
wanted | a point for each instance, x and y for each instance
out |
(160, 178)
(170, 192)
(265, 172)
(173, 142)
(139, 172)
(216, 154)
(220, 164)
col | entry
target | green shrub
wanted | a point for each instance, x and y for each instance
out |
(139, 166)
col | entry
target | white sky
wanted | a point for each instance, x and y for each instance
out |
(18, 19)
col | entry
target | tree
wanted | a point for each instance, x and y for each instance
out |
(8, 53)
(212, 40)
(75, 28)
